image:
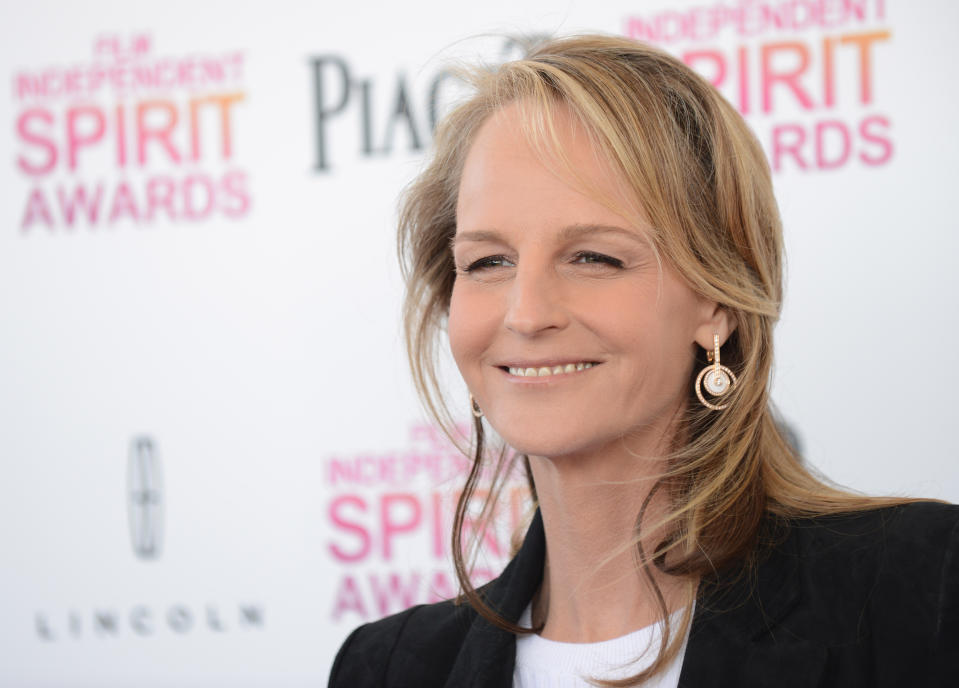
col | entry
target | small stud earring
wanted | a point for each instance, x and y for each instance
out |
(718, 378)
(474, 407)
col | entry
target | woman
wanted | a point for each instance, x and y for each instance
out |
(598, 233)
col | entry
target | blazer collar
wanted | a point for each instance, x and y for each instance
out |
(489, 653)
(737, 610)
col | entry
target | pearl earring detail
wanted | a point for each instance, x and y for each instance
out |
(718, 378)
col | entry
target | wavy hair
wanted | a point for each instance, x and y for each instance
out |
(703, 180)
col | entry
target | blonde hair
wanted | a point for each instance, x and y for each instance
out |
(705, 185)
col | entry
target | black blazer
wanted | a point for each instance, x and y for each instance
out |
(867, 599)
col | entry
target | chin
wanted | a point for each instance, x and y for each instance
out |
(543, 439)
(554, 433)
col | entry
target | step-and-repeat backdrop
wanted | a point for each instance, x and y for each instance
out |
(212, 462)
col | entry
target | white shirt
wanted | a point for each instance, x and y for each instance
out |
(542, 663)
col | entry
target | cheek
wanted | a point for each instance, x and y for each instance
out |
(471, 328)
(629, 320)
(677, 324)
(653, 332)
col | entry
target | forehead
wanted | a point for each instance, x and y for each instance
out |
(531, 165)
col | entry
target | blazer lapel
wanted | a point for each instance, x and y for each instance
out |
(715, 661)
(489, 653)
(737, 638)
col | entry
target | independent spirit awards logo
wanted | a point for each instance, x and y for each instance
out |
(130, 136)
(145, 515)
(812, 82)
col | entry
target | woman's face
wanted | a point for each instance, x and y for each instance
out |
(566, 330)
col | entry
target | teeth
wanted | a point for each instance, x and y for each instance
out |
(546, 371)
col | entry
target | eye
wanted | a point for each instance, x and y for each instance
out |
(487, 263)
(590, 257)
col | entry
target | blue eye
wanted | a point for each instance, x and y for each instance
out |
(589, 257)
(488, 262)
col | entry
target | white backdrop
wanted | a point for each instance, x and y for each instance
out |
(213, 463)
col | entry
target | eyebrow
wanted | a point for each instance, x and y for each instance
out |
(568, 233)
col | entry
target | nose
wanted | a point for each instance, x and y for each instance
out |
(535, 302)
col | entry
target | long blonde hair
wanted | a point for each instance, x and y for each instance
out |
(705, 185)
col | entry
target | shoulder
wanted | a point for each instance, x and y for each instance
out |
(868, 598)
(894, 569)
(913, 535)
(910, 515)
(848, 556)
(412, 646)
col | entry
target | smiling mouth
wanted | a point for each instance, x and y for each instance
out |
(545, 371)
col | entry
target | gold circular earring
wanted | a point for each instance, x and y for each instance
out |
(718, 378)
(474, 407)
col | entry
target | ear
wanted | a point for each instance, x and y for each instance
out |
(716, 320)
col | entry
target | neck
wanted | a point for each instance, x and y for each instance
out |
(593, 587)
